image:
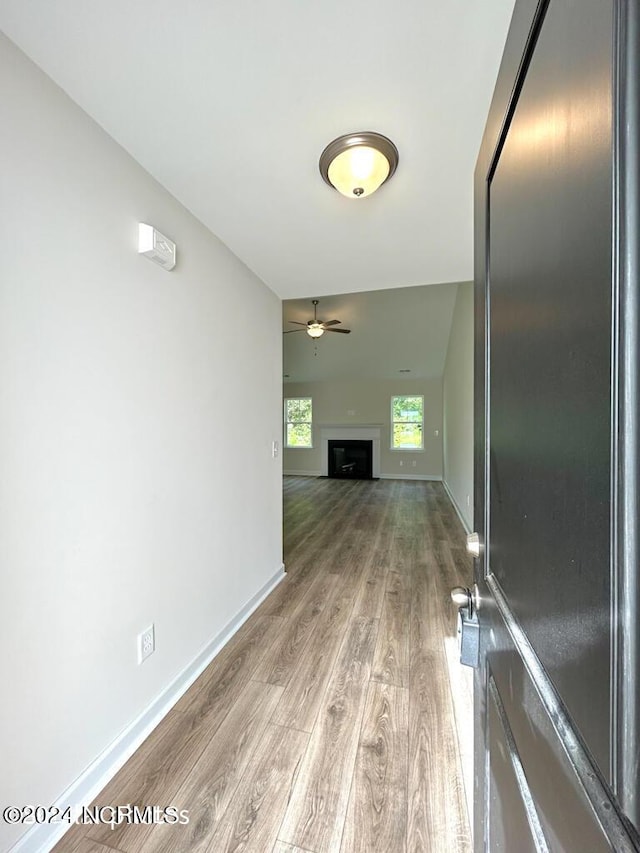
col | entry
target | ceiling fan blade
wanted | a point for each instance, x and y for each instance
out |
(291, 331)
(297, 323)
(331, 323)
(341, 331)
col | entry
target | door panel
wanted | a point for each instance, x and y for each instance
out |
(513, 819)
(566, 816)
(550, 331)
(557, 210)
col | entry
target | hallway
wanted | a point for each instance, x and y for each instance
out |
(327, 723)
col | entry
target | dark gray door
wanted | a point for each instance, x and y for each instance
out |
(556, 690)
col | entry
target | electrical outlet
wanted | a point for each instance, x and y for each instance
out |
(146, 643)
(401, 462)
(274, 449)
(414, 463)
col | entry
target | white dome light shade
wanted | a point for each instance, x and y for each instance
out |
(358, 163)
(315, 330)
(358, 172)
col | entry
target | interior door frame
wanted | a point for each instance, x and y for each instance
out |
(615, 808)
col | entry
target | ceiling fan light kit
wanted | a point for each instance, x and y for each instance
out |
(357, 164)
(316, 328)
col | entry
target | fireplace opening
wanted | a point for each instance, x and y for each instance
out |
(351, 458)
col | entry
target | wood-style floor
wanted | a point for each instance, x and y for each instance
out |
(326, 725)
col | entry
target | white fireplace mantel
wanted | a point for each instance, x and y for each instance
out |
(355, 432)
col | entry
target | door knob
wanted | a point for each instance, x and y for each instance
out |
(461, 596)
(473, 544)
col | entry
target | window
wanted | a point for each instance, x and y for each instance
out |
(297, 422)
(407, 422)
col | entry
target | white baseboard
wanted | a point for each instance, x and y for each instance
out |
(463, 521)
(430, 477)
(88, 785)
(302, 473)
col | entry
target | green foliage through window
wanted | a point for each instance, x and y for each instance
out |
(298, 419)
(407, 423)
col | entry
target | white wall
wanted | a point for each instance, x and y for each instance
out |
(370, 402)
(137, 413)
(458, 406)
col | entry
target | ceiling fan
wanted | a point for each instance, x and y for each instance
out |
(316, 328)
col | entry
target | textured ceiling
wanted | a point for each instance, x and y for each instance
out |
(391, 331)
(230, 103)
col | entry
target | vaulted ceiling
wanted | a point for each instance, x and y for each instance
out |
(400, 333)
(230, 103)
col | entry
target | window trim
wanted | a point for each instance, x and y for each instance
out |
(393, 422)
(286, 422)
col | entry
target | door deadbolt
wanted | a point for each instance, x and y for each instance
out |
(473, 544)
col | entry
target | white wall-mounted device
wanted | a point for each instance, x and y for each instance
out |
(155, 246)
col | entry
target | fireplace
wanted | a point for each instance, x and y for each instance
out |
(341, 433)
(350, 459)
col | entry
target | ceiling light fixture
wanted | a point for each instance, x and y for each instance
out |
(316, 328)
(358, 163)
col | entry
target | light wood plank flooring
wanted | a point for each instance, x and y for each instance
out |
(326, 725)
